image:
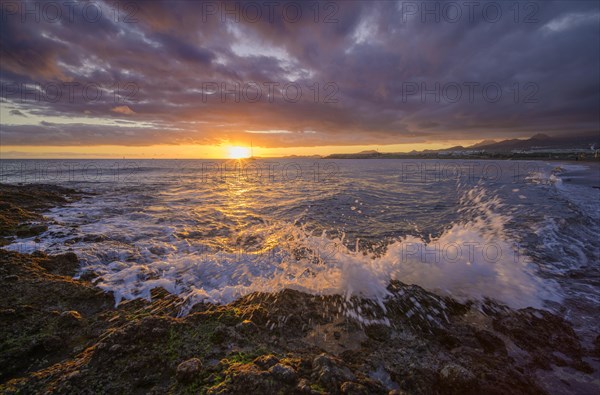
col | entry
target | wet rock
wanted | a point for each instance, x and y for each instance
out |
(48, 343)
(597, 346)
(266, 361)
(63, 264)
(397, 392)
(31, 230)
(329, 374)
(188, 370)
(246, 327)
(415, 378)
(88, 275)
(448, 341)
(156, 250)
(490, 343)
(542, 334)
(456, 379)
(378, 332)
(219, 335)
(70, 318)
(350, 388)
(7, 312)
(94, 238)
(159, 331)
(247, 379)
(284, 373)
(115, 348)
(413, 307)
(39, 254)
(303, 387)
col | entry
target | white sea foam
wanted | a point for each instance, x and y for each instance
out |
(471, 260)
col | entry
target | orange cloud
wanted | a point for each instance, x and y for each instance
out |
(125, 110)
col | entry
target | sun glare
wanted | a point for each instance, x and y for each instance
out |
(238, 152)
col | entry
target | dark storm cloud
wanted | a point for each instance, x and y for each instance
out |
(387, 72)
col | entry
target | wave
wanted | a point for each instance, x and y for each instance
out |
(472, 259)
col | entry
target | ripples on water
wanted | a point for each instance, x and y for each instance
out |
(523, 233)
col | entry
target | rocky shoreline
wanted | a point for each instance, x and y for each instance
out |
(63, 335)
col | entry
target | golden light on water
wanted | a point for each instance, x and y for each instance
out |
(237, 152)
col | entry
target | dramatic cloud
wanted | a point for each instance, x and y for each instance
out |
(296, 73)
(125, 110)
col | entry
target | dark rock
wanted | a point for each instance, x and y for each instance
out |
(245, 378)
(542, 334)
(490, 342)
(456, 379)
(88, 275)
(8, 312)
(246, 327)
(39, 254)
(48, 343)
(378, 332)
(266, 361)
(70, 318)
(94, 238)
(159, 331)
(65, 264)
(328, 373)
(31, 230)
(284, 373)
(350, 388)
(157, 250)
(414, 378)
(303, 387)
(219, 335)
(448, 341)
(188, 370)
(115, 348)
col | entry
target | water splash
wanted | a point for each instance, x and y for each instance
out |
(471, 260)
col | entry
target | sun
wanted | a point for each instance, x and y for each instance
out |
(238, 152)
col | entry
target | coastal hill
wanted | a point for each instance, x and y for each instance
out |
(540, 145)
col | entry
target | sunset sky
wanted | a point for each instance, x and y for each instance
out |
(192, 79)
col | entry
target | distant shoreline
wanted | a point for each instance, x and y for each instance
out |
(575, 157)
(553, 157)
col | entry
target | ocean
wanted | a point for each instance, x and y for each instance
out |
(522, 233)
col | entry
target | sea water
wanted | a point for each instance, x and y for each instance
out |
(522, 233)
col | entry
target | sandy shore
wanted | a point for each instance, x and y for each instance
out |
(62, 335)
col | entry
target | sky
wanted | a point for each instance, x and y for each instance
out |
(192, 79)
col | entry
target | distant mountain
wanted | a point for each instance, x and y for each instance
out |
(540, 141)
(540, 136)
(483, 143)
(492, 148)
(301, 156)
(455, 148)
